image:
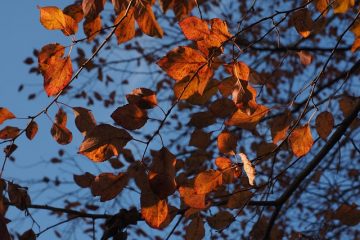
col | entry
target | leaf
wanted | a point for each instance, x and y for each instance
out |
(92, 8)
(342, 6)
(92, 27)
(248, 168)
(162, 184)
(143, 98)
(163, 162)
(59, 131)
(210, 90)
(108, 185)
(200, 139)
(28, 235)
(301, 140)
(245, 120)
(305, 57)
(207, 181)
(195, 230)
(145, 18)
(279, 126)
(84, 120)
(303, 22)
(4, 233)
(130, 116)
(49, 51)
(192, 198)
(239, 70)
(71, 26)
(324, 124)
(9, 132)
(84, 180)
(52, 18)
(18, 196)
(182, 62)
(227, 143)
(57, 75)
(75, 11)
(347, 104)
(194, 28)
(153, 210)
(220, 220)
(223, 163)
(222, 107)
(9, 149)
(104, 142)
(348, 214)
(31, 130)
(322, 5)
(239, 199)
(5, 114)
(356, 45)
(126, 29)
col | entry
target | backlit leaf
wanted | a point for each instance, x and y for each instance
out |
(305, 57)
(223, 163)
(245, 120)
(342, 6)
(75, 11)
(108, 185)
(249, 169)
(227, 142)
(162, 184)
(104, 142)
(5, 114)
(84, 120)
(126, 29)
(194, 28)
(130, 116)
(279, 126)
(59, 131)
(324, 124)
(220, 220)
(92, 27)
(192, 198)
(52, 18)
(143, 98)
(195, 230)
(303, 22)
(207, 181)
(145, 18)
(153, 210)
(31, 130)
(92, 8)
(301, 140)
(9, 132)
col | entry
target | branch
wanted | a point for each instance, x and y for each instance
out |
(312, 165)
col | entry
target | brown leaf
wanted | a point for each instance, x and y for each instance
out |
(245, 120)
(200, 139)
(71, 26)
(52, 18)
(195, 230)
(222, 107)
(227, 142)
(31, 130)
(305, 57)
(249, 169)
(28, 235)
(348, 214)
(207, 181)
(9, 132)
(130, 116)
(59, 130)
(239, 199)
(162, 184)
(202, 119)
(324, 124)
(84, 180)
(239, 70)
(192, 198)
(220, 220)
(200, 99)
(92, 27)
(301, 140)
(194, 28)
(9, 149)
(303, 22)
(279, 126)
(153, 210)
(126, 29)
(145, 18)
(347, 104)
(75, 11)
(84, 120)
(104, 142)
(5, 114)
(143, 98)
(92, 8)
(18, 196)
(108, 185)
(322, 5)
(4, 233)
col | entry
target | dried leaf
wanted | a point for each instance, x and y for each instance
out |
(322, 5)
(59, 131)
(248, 168)
(220, 220)
(75, 11)
(108, 185)
(202, 119)
(207, 181)
(143, 98)
(31, 130)
(347, 104)
(9, 149)
(162, 184)
(130, 116)
(84, 180)
(194, 28)
(301, 140)
(324, 124)
(126, 29)
(195, 230)
(227, 143)
(9, 132)
(104, 142)
(28, 235)
(84, 120)
(5, 114)
(153, 210)
(348, 214)
(222, 107)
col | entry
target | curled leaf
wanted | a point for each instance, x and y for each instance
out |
(248, 168)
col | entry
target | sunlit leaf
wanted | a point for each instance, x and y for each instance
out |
(279, 126)
(75, 11)
(245, 120)
(249, 169)
(192, 198)
(59, 131)
(223, 163)
(194, 28)
(342, 6)
(227, 142)
(153, 210)
(92, 27)
(52, 18)
(146, 20)
(303, 22)
(5, 114)
(92, 8)
(207, 181)
(130, 116)
(126, 29)
(143, 98)
(301, 140)
(305, 57)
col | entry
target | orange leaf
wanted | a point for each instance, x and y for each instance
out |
(84, 180)
(31, 130)
(239, 70)
(61, 134)
(47, 52)
(245, 120)
(279, 126)
(200, 139)
(9, 132)
(223, 163)
(305, 57)
(220, 29)
(192, 198)
(130, 116)
(248, 168)
(195, 230)
(356, 45)
(145, 18)
(220, 220)
(209, 91)
(71, 26)
(143, 98)
(239, 199)
(163, 162)
(84, 120)
(153, 210)
(57, 75)
(227, 142)
(104, 142)
(194, 28)
(92, 8)
(342, 6)
(108, 185)
(5, 114)
(52, 18)
(322, 5)
(92, 27)
(301, 140)
(324, 124)
(75, 11)
(126, 29)
(303, 22)
(207, 181)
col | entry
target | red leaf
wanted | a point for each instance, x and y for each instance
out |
(5, 114)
